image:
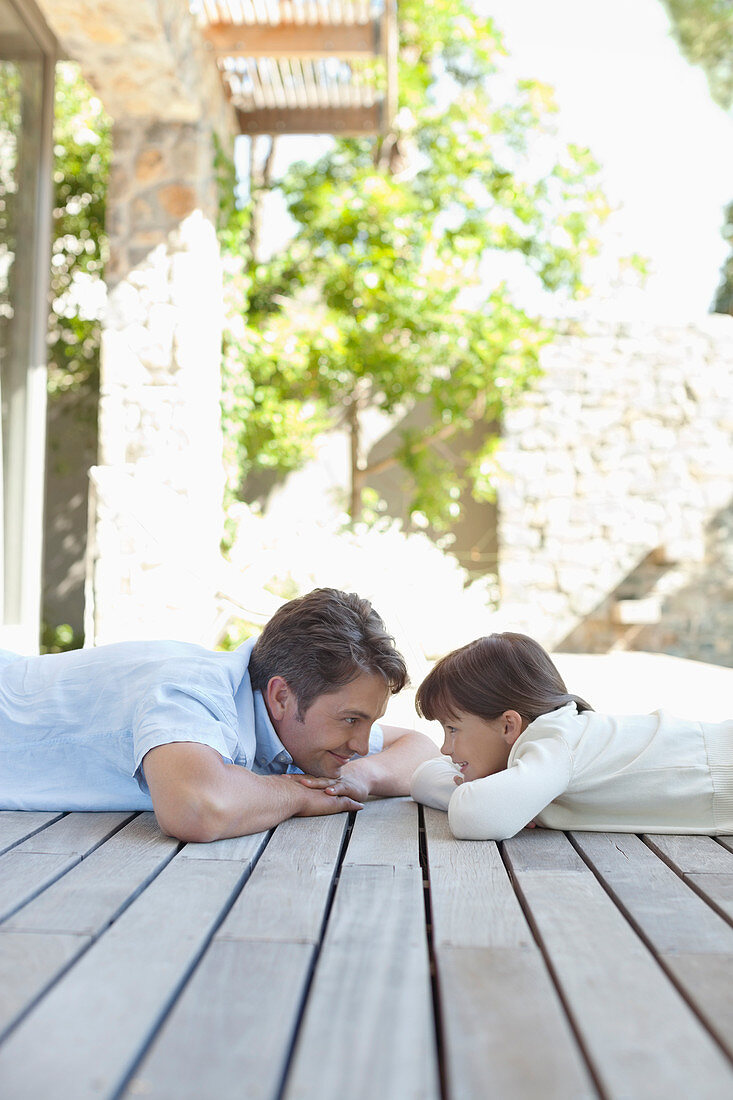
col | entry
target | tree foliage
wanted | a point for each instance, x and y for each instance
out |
(386, 295)
(82, 151)
(704, 32)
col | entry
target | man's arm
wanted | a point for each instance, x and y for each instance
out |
(198, 797)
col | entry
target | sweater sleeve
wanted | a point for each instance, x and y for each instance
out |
(498, 806)
(433, 783)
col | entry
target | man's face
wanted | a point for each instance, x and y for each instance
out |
(335, 727)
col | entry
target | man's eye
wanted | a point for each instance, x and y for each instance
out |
(351, 721)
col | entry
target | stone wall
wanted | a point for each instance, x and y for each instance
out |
(615, 496)
(156, 506)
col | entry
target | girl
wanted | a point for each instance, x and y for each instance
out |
(523, 749)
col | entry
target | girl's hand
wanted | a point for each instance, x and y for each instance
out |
(458, 780)
(347, 786)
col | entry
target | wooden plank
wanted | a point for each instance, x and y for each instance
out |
(228, 1037)
(693, 942)
(294, 40)
(245, 849)
(38, 861)
(505, 1034)
(28, 963)
(16, 825)
(704, 863)
(490, 970)
(91, 895)
(231, 1031)
(346, 121)
(692, 854)
(472, 900)
(286, 897)
(368, 1021)
(385, 834)
(718, 890)
(76, 833)
(641, 1037)
(84, 1037)
(670, 915)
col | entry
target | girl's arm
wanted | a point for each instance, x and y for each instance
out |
(497, 807)
(434, 783)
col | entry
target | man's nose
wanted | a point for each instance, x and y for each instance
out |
(359, 742)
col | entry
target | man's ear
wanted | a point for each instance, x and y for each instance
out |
(277, 697)
(514, 724)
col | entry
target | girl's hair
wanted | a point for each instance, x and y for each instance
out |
(491, 675)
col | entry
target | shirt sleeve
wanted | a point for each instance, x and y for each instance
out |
(376, 739)
(498, 806)
(433, 783)
(172, 713)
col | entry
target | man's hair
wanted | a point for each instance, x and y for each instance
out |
(491, 675)
(322, 641)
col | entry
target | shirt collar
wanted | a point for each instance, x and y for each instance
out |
(271, 753)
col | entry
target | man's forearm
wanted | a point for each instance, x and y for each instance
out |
(387, 774)
(198, 797)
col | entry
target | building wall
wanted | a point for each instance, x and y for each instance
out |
(615, 494)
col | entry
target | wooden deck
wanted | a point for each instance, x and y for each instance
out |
(382, 960)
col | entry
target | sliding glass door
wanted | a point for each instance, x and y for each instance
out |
(26, 117)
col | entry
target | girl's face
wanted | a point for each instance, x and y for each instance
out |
(478, 746)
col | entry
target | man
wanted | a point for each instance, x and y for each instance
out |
(217, 744)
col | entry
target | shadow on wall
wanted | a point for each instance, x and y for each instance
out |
(679, 606)
(71, 450)
(473, 538)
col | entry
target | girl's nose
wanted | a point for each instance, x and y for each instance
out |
(446, 747)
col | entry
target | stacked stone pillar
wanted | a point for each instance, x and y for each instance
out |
(156, 502)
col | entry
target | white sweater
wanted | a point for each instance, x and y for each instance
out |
(629, 773)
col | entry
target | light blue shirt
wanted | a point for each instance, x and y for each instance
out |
(74, 727)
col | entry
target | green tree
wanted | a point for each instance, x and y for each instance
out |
(704, 32)
(82, 151)
(383, 298)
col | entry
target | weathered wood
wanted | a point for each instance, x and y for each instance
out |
(543, 849)
(692, 941)
(244, 849)
(472, 900)
(28, 962)
(294, 39)
(93, 892)
(641, 1037)
(505, 1034)
(345, 121)
(229, 1035)
(505, 1031)
(286, 897)
(368, 1028)
(670, 915)
(25, 874)
(16, 825)
(34, 864)
(88, 1032)
(692, 854)
(718, 890)
(705, 863)
(75, 834)
(385, 834)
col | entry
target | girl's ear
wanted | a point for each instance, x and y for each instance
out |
(514, 724)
